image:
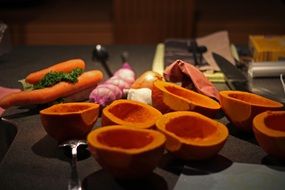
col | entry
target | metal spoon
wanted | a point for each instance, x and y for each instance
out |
(101, 54)
(125, 57)
(74, 182)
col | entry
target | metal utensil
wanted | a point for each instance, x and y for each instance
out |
(101, 54)
(196, 50)
(74, 181)
(125, 57)
(234, 77)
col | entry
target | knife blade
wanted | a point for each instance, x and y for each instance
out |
(234, 77)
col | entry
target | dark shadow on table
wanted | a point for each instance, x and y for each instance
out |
(12, 113)
(170, 163)
(205, 167)
(249, 137)
(220, 114)
(48, 147)
(103, 180)
(24, 111)
(177, 166)
(273, 163)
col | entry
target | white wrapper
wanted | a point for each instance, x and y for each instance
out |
(266, 69)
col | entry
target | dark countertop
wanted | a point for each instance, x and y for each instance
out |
(34, 161)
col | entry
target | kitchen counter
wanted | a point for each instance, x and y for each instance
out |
(34, 160)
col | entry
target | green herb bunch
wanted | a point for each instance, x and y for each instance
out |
(53, 78)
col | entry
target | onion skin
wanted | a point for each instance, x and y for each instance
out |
(146, 80)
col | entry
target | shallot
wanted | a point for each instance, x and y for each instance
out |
(113, 88)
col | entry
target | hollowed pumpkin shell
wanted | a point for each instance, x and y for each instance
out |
(130, 113)
(269, 131)
(241, 107)
(126, 152)
(192, 136)
(167, 97)
(67, 121)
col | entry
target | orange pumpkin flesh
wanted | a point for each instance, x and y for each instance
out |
(269, 131)
(67, 121)
(241, 107)
(126, 152)
(130, 113)
(167, 97)
(192, 136)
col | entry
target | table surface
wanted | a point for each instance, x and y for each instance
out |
(34, 160)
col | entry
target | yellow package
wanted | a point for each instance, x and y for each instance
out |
(267, 48)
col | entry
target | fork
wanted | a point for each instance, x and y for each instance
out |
(74, 182)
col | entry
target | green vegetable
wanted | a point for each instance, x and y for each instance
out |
(26, 86)
(53, 78)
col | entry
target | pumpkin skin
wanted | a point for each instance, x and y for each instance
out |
(67, 121)
(168, 97)
(269, 131)
(125, 152)
(130, 113)
(241, 107)
(192, 136)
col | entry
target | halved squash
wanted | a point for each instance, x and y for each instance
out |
(192, 136)
(167, 97)
(126, 152)
(241, 107)
(67, 121)
(130, 113)
(269, 131)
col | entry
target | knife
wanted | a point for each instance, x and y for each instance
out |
(234, 77)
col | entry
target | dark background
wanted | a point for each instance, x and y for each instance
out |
(66, 22)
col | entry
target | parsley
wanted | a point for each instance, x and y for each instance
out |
(53, 78)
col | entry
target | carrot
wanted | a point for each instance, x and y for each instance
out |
(62, 89)
(66, 66)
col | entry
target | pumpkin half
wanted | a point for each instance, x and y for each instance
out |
(67, 121)
(126, 152)
(167, 97)
(241, 107)
(192, 136)
(130, 113)
(269, 131)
